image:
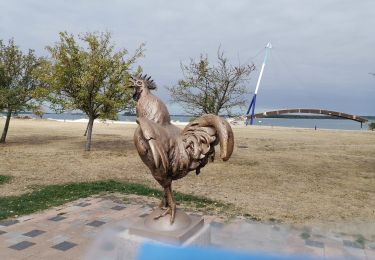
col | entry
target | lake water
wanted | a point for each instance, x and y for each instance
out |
(311, 123)
(286, 122)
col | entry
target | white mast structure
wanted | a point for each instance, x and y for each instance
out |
(252, 104)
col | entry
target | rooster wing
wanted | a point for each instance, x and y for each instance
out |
(151, 140)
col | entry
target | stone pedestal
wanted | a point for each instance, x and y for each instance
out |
(183, 228)
(187, 230)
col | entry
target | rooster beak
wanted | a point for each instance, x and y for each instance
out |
(132, 82)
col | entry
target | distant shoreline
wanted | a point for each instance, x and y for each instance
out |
(290, 116)
(291, 123)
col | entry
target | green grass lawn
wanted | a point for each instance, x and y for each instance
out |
(54, 195)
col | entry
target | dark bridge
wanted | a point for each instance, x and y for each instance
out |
(312, 111)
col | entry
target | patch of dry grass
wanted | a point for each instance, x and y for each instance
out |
(292, 175)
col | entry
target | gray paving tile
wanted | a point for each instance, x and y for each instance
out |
(82, 204)
(216, 224)
(118, 207)
(2, 232)
(96, 223)
(352, 244)
(64, 246)
(8, 222)
(22, 245)
(34, 233)
(57, 218)
(314, 243)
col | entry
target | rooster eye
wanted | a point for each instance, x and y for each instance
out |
(139, 83)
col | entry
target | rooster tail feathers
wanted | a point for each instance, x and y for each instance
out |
(210, 129)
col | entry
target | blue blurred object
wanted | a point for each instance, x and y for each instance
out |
(156, 251)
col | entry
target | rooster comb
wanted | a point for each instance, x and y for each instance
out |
(149, 83)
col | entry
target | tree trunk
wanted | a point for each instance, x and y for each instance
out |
(89, 133)
(87, 127)
(5, 131)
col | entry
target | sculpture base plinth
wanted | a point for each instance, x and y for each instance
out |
(181, 233)
(185, 229)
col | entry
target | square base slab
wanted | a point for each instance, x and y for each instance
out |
(165, 234)
(132, 243)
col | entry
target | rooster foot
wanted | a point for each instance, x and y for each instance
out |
(169, 210)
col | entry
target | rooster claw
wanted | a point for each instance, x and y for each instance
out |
(169, 210)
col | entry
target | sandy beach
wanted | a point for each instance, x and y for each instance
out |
(285, 174)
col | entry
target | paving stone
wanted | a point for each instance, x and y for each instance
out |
(107, 246)
(314, 243)
(105, 219)
(22, 245)
(89, 234)
(120, 228)
(58, 239)
(335, 252)
(83, 204)
(34, 233)
(82, 220)
(216, 224)
(64, 246)
(353, 244)
(7, 223)
(96, 223)
(355, 253)
(24, 218)
(370, 254)
(15, 234)
(118, 207)
(371, 245)
(57, 218)
(275, 228)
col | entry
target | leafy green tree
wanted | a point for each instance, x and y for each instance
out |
(18, 83)
(87, 74)
(208, 88)
(38, 111)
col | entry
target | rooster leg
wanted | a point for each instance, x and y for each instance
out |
(171, 204)
(163, 203)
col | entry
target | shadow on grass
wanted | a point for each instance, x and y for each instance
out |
(55, 195)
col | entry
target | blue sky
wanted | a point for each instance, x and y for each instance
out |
(323, 50)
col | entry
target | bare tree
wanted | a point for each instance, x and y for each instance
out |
(211, 89)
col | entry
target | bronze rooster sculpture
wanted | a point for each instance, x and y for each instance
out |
(169, 152)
